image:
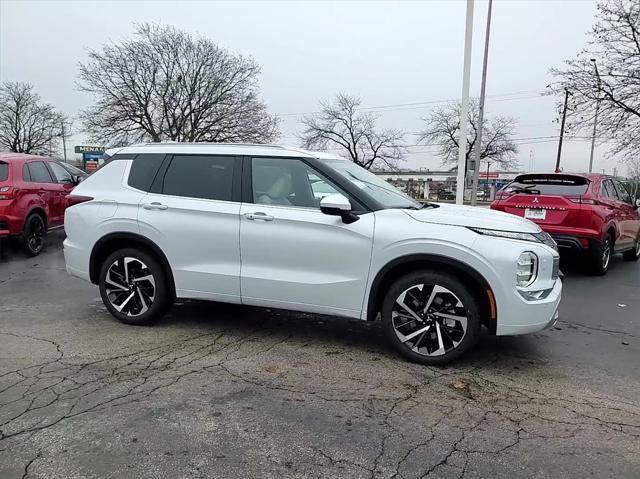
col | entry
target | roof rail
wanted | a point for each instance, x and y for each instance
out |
(174, 143)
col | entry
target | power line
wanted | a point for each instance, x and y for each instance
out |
(422, 104)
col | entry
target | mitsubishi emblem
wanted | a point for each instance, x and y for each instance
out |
(535, 200)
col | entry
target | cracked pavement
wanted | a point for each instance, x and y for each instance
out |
(221, 391)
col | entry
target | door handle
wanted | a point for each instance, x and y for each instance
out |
(154, 206)
(258, 216)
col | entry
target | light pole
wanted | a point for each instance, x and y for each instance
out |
(476, 162)
(564, 118)
(464, 106)
(595, 118)
(486, 183)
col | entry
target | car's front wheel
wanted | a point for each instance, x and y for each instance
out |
(134, 287)
(430, 318)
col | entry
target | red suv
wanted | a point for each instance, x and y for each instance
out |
(586, 213)
(33, 192)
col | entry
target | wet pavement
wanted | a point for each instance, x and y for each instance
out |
(219, 391)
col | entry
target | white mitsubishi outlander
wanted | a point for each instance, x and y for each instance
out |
(286, 228)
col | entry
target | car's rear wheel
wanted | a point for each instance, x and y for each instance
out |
(601, 256)
(33, 235)
(134, 287)
(633, 254)
(430, 318)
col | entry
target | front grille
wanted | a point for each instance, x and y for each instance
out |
(4, 225)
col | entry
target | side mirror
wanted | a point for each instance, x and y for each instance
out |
(638, 203)
(338, 205)
(76, 179)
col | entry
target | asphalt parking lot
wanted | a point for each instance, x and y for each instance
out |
(219, 391)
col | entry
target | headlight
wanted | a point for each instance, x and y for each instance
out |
(527, 269)
(542, 237)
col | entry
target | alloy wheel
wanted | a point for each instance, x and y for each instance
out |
(430, 320)
(606, 254)
(130, 286)
(35, 234)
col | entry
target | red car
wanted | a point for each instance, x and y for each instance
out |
(33, 192)
(587, 213)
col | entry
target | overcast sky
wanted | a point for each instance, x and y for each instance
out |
(389, 53)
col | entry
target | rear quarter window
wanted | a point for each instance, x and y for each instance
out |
(144, 170)
(555, 185)
(4, 171)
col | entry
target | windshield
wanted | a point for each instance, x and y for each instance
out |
(372, 185)
(73, 170)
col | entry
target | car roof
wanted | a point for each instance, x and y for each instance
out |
(241, 149)
(11, 157)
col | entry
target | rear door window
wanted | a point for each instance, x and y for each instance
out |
(554, 185)
(39, 173)
(4, 171)
(200, 176)
(608, 190)
(623, 194)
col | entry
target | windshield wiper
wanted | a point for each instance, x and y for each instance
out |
(527, 189)
(421, 206)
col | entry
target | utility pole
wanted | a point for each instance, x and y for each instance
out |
(564, 117)
(478, 150)
(486, 183)
(64, 142)
(595, 118)
(464, 107)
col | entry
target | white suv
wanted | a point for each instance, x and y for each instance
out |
(287, 228)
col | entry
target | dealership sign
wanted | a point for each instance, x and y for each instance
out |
(90, 149)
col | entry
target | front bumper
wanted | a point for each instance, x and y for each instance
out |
(521, 317)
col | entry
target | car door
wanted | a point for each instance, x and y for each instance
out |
(192, 213)
(62, 187)
(43, 185)
(293, 255)
(611, 204)
(628, 214)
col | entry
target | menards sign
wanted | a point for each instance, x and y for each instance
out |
(90, 149)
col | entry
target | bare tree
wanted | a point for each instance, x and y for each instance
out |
(167, 85)
(342, 125)
(442, 129)
(614, 45)
(633, 171)
(27, 125)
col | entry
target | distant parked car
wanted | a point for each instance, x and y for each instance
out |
(591, 214)
(446, 195)
(33, 192)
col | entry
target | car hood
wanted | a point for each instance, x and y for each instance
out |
(470, 216)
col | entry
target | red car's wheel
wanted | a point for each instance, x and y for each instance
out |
(33, 235)
(633, 254)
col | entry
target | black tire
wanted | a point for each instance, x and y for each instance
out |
(141, 301)
(455, 338)
(33, 235)
(634, 253)
(600, 256)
